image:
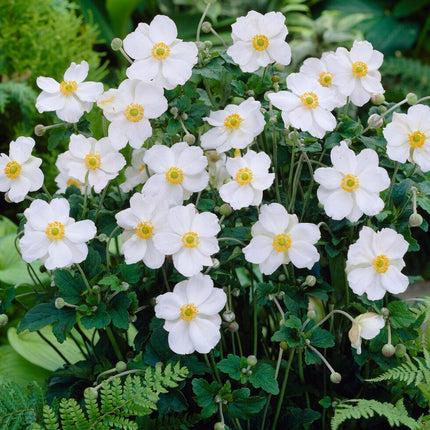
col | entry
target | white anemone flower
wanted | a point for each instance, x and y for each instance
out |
(251, 176)
(374, 263)
(351, 187)
(70, 98)
(236, 126)
(52, 236)
(65, 178)
(259, 40)
(408, 137)
(306, 106)
(160, 57)
(179, 171)
(129, 108)
(317, 69)
(356, 71)
(19, 171)
(93, 162)
(136, 173)
(365, 326)
(190, 237)
(278, 238)
(144, 218)
(191, 314)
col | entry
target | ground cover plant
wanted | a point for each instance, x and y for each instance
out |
(223, 244)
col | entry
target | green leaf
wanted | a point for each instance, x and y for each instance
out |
(7, 226)
(118, 311)
(243, 406)
(299, 419)
(131, 273)
(400, 316)
(205, 394)
(231, 366)
(263, 376)
(111, 281)
(99, 319)
(213, 70)
(205, 205)
(70, 287)
(38, 317)
(322, 338)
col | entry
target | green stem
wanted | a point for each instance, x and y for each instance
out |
(107, 247)
(302, 376)
(84, 277)
(393, 179)
(334, 311)
(199, 27)
(114, 343)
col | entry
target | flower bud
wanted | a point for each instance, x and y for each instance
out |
(415, 220)
(116, 44)
(250, 93)
(310, 280)
(206, 27)
(91, 392)
(233, 327)
(200, 45)
(212, 156)
(282, 277)
(228, 316)
(184, 116)
(219, 426)
(120, 366)
(132, 318)
(275, 78)
(251, 360)
(377, 99)
(174, 111)
(237, 100)
(388, 350)
(375, 121)
(279, 67)
(125, 286)
(59, 303)
(3, 320)
(208, 44)
(400, 350)
(39, 130)
(225, 209)
(102, 237)
(335, 377)
(190, 139)
(385, 312)
(235, 292)
(411, 98)
(382, 109)
(283, 345)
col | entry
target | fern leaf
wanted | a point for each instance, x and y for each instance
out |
(407, 372)
(50, 418)
(120, 423)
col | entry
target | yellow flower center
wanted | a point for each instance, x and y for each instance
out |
(160, 51)
(134, 112)
(325, 79)
(190, 239)
(73, 181)
(12, 169)
(244, 176)
(381, 263)
(175, 175)
(309, 100)
(260, 42)
(237, 153)
(282, 242)
(68, 87)
(233, 121)
(189, 312)
(417, 139)
(359, 69)
(144, 230)
(55, 230)
(350, 183)
(92, 161)
(142, 167)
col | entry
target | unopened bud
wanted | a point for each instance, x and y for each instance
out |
(233, 327)
(91, 392)
(377, 99)
(132, 318)
(174, 110)
(219, 426)
(388, 350)
(3, 320)
(190, 139)
(206, 27)
(120, 366)
(184, 116)
(102, 237)
(95, 288)
(415, 220)
(251, 360)
(283, 345)
(237, 100)
(382, 109)
(59, 303)
(385, 312)
(311, 314)
(116, 44)
(310, 280)
(39, 130)
(400, 350)
(279, 67)
(375, 121)
(228, 316)
(208, 44)
(250, 93)
(225, 209)
(235, 292)
(282, 277)
(213, 156)
(335, 377)
(200, 45)
(275, 78)
(411, 98)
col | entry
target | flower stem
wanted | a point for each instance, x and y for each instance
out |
(334, 311)
(199, 27)
(114, 343)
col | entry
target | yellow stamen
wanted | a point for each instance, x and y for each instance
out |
(134, 112)
(190, 239)
(142, 167)
(189, 312)
(381, 263)
(73, 181)
(92, 161)
(309, 100)
(160, 51)
(282, 242)
(233, 121)
(55, 230)
(12, 169)
(68, 87)
(175, 175)
(359, 69)
(417, 139)
(144, 230)
(350, 183)
(325, 79)
(237, 153)
(260, 42)
(244, 176)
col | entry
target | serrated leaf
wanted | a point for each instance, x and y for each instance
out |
(231, 366)
(118, 311)
(263, 376)
(322, 338)
(400, 316)
(70, 287)
(243, 406)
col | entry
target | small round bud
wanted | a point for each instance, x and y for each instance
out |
(228, 316)
(310, 280)
(233, 327)
(282, 277)
(208, 44)
(275, 78)
(213, 156)
(120, 366)
(388, 350)
(385, 312)
(39, 130)
(59, 303)
(3, 320)
(225, 209)
(251, 360)
(411, 98)
(235, 292)
(116, 44)
(125, 286)
(206, 27)
(91, 392)
(219, 426)
(250, 93)
(132, 318)
(311, 314)
(218, 399)
(382, 109)
(400, 350)
(279, 67)
(283, 345)
(174, 110)
(335, 377)
(184, 116)
(375, 121)
(95, 288)
(415, 220)
(377, 99)
(200, 45)
(190, 139)
(102, 237)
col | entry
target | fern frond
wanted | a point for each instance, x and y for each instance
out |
(407, 372)
(50, 418)
(360, 408)
(72, 415)
(119, 423)
(169, 422)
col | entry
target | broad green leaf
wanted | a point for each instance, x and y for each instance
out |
(400, 316)
(118, 311)
(70, 287)
(322, 338)
(263, 376)
(244, 406)
(231, 366)
(7, 226)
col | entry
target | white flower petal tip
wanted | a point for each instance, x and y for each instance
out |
(365, 326)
